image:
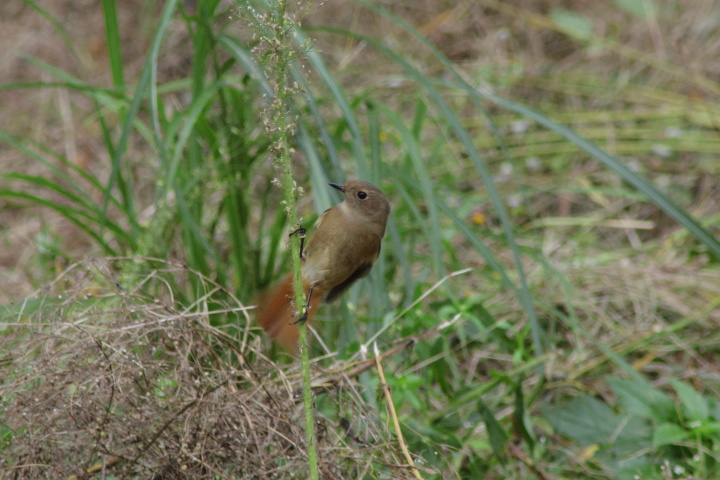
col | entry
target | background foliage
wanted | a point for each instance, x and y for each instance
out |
(553, 175)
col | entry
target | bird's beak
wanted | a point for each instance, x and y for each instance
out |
(339, 186)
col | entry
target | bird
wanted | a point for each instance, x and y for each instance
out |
(342, 249)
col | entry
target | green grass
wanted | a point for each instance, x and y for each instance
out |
(559, 358)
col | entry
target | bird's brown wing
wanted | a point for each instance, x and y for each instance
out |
(338, 290)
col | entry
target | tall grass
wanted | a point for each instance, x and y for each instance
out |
(210, 203)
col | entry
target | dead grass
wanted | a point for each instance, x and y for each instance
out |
(111, 379)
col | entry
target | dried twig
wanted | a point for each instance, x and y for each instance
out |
(393, 414)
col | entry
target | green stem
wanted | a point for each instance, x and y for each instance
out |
(285, 129)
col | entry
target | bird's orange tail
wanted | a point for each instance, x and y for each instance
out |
(275, 312)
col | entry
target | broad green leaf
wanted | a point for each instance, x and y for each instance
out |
(694, 404)
(668, 434)
(642, 9)
(496, 433)
(641, 400)
(587, 420)
(572, 23)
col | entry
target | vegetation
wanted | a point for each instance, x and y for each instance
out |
(547, 299)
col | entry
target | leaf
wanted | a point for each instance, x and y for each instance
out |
(694, 404)
(522, 421)
(588, 421)
(714, 407)
(584, 419)
(668, 434)
(642, 9)
(638, 399)
(707, 430)
(572, 23)
(497, 434)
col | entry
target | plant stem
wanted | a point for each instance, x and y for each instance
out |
(284, 129)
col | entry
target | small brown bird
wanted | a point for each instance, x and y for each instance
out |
(343, 248)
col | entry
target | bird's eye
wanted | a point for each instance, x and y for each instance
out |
(362, 195)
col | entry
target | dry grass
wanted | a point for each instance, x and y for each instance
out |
(100, 378)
